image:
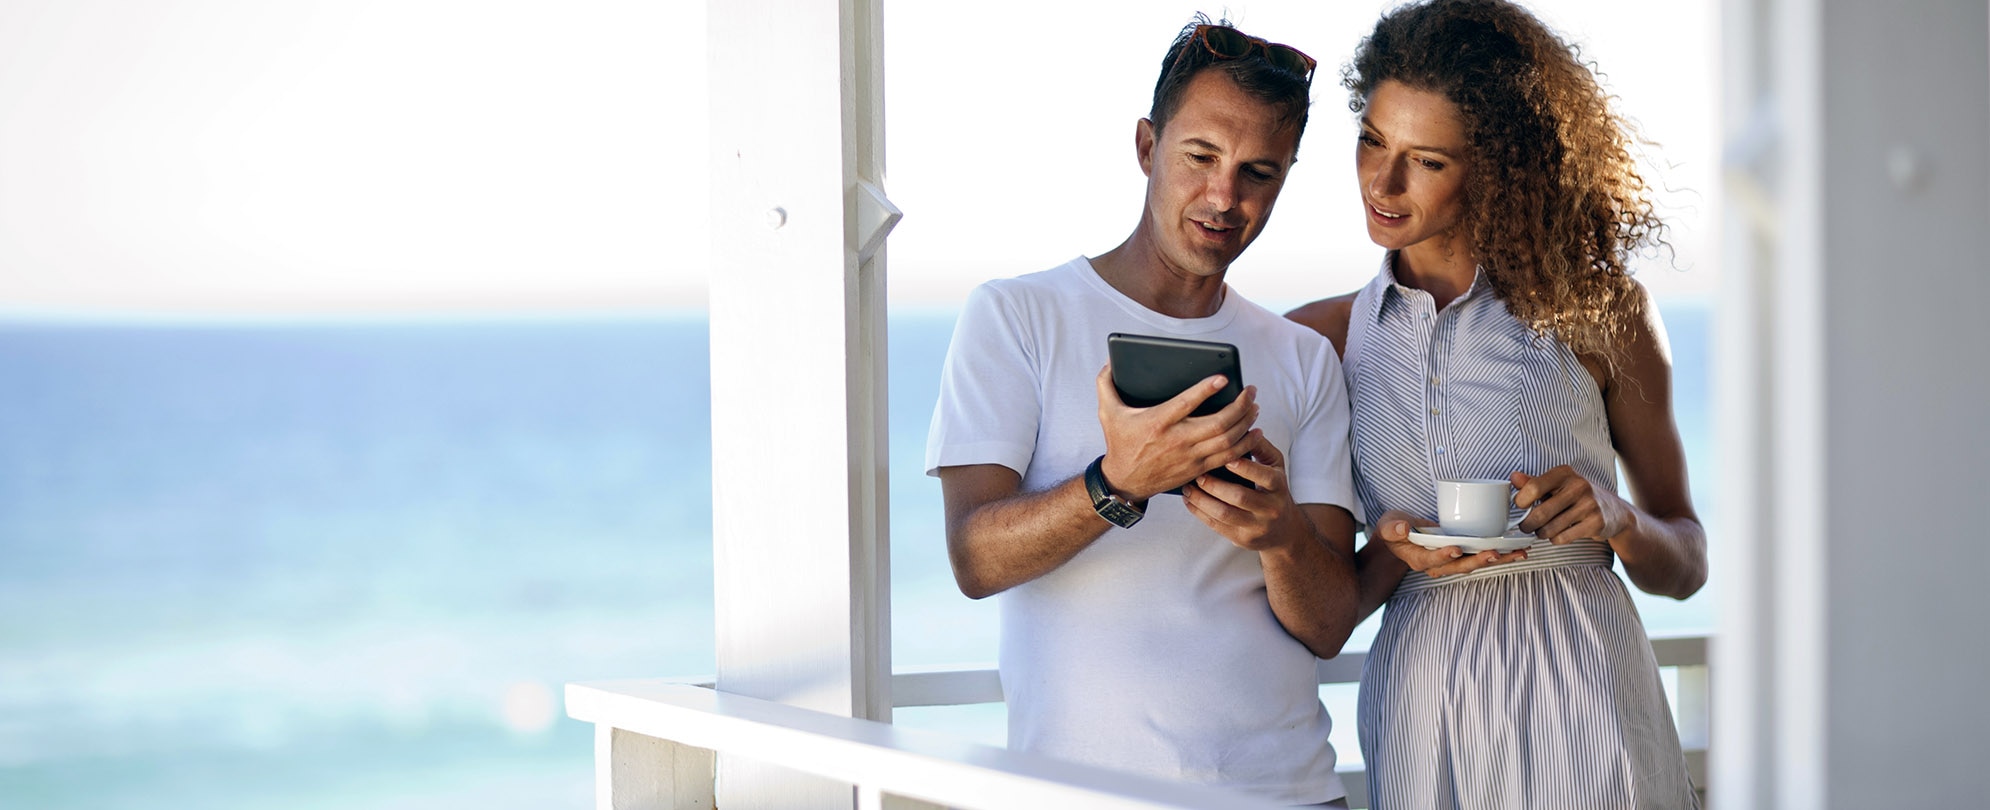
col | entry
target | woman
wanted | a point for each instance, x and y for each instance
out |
(1504, 338)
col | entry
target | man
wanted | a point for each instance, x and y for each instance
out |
(1168, 635)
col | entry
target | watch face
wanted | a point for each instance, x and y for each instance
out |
(1115, 511)
(1119, 513)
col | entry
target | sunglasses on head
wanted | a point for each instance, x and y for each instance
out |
(1225, 42)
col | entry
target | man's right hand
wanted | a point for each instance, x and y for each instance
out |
(1153, 450)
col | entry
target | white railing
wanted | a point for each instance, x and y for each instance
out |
(655, 744)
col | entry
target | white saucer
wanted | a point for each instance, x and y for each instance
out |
(1433, 538)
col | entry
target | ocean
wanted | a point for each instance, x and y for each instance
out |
(350, 564)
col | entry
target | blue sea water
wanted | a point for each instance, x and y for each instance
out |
(349, 564)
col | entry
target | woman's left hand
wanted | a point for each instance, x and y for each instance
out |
(1567, 507)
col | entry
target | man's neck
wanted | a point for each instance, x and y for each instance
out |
(1139, 273)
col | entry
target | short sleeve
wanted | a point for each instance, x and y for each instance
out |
(989, 389)
(1320, 464)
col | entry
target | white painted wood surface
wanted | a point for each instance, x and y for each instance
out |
(970, 685)
(637, 772)
(1851, 397)
(888, 760)
(799, 491)
(1743, 409)
(1901, 381)
(944, 686)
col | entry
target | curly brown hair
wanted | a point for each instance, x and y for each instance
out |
(1555, 206)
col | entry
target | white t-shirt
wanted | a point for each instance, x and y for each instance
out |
(1155, 649)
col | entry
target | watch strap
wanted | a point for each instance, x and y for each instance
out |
(1116, 510)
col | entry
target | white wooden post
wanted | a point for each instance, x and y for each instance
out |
(637, 772)
(798, 359)
(1743, 556)
(1848, 667)
(1693, 710)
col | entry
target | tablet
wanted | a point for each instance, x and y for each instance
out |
(1148, 370)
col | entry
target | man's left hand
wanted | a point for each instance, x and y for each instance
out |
(1255, 519)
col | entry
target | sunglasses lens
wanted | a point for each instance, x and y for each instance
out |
(1286, 58)
(1225, 42)
(1229, 43)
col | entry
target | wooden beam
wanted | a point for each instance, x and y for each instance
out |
(908, 763)
(638, 772)
(799, 515)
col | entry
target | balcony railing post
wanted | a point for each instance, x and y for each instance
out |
(638, 772)
(800, 501)
(888, 765)
(870, 797)
(1693, 709)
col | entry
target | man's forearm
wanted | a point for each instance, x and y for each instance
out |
(1007, 542)
(1380, 571)
(1313, 589)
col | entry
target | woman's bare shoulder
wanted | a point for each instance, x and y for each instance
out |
(1328, 316)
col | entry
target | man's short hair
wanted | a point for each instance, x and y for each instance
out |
(1285, 91)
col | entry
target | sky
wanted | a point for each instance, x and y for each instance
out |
(355, 156)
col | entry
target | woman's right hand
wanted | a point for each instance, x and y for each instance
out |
(1394, 529)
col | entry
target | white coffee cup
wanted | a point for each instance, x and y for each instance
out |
(1473, 507)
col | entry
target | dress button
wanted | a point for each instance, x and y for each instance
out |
(1440, 451)
(1436, 412)
(1433, 381)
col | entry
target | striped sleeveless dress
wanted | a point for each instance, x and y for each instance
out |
(1525, 685)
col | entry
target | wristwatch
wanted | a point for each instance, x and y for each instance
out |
(1116, 510)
